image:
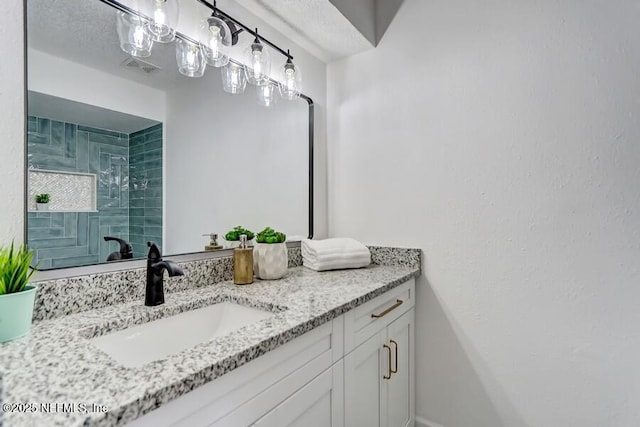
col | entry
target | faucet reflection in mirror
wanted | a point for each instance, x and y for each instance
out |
(156, 21)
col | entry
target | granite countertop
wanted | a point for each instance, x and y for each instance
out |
(56, 364)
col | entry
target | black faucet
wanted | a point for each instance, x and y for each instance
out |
(155, 273)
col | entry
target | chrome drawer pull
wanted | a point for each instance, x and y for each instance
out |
(388, 310)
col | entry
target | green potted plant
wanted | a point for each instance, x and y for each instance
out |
(270, 255)
(16, 295)
(233, 237)
(42, 201)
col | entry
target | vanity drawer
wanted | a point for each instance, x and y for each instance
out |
(370, 318)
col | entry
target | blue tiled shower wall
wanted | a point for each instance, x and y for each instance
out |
(62, 239)
(145, 184)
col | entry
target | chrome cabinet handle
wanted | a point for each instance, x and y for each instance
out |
(388, 310)
(395, 344)
(388, 376)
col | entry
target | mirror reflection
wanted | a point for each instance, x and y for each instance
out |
(102, 171)
(126, 150)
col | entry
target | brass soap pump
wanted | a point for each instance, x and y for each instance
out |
(243, 263)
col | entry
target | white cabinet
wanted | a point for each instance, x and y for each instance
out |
(362, 385)
(398, 391)
(357, 370)
(317, 404)
(379, 372)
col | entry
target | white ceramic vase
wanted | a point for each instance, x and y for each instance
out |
(270, 260)
(42, 206)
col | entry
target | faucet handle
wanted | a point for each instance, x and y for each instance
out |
(154, 251)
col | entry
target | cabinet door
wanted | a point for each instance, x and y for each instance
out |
(317, 404)
(363, 371)
(399, 390)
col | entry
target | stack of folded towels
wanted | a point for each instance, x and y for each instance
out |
(334, 254)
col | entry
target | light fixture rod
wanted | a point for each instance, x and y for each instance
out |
(120, 7)
(217, 10)
(214, 8)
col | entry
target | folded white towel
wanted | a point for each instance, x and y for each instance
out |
(334, 254)
(336, 265)
(332, 246)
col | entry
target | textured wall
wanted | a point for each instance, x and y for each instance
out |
(12, 123)
(501, 137)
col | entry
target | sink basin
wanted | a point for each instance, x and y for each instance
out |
(156, 340)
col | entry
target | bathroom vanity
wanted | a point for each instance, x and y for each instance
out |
(335, 349)
(312, 349)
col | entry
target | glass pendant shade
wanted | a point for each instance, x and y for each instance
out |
(290, 81)
(134, 37)
(233, 78)
(257, 64)
(190, 58)
(163, 19)
(215, 41)
(266, 94)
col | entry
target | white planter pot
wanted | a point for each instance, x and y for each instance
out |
(42, 206)
(270, 261)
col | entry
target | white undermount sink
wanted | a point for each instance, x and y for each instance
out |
(156, 340)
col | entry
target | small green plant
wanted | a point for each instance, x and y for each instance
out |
(269, 235)
(43, 198)
(15, 269)
(234, 235)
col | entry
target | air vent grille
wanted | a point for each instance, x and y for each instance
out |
(147, 67)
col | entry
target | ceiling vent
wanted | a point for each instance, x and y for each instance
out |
(147, 67)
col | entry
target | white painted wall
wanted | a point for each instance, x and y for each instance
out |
(12, 123)
(59, 77)
(232, 162)
(501, 137)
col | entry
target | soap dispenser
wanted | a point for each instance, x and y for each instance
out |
(243, 263)
(213, 244)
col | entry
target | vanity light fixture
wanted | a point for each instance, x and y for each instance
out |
(215, 41)
(266, 93)
(233, 78)
(257, 63)
(157, 20)
(290, 80)
(163, 19)
(191, 61)
(134, 38)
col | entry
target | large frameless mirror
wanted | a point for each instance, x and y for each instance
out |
(129, 150)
